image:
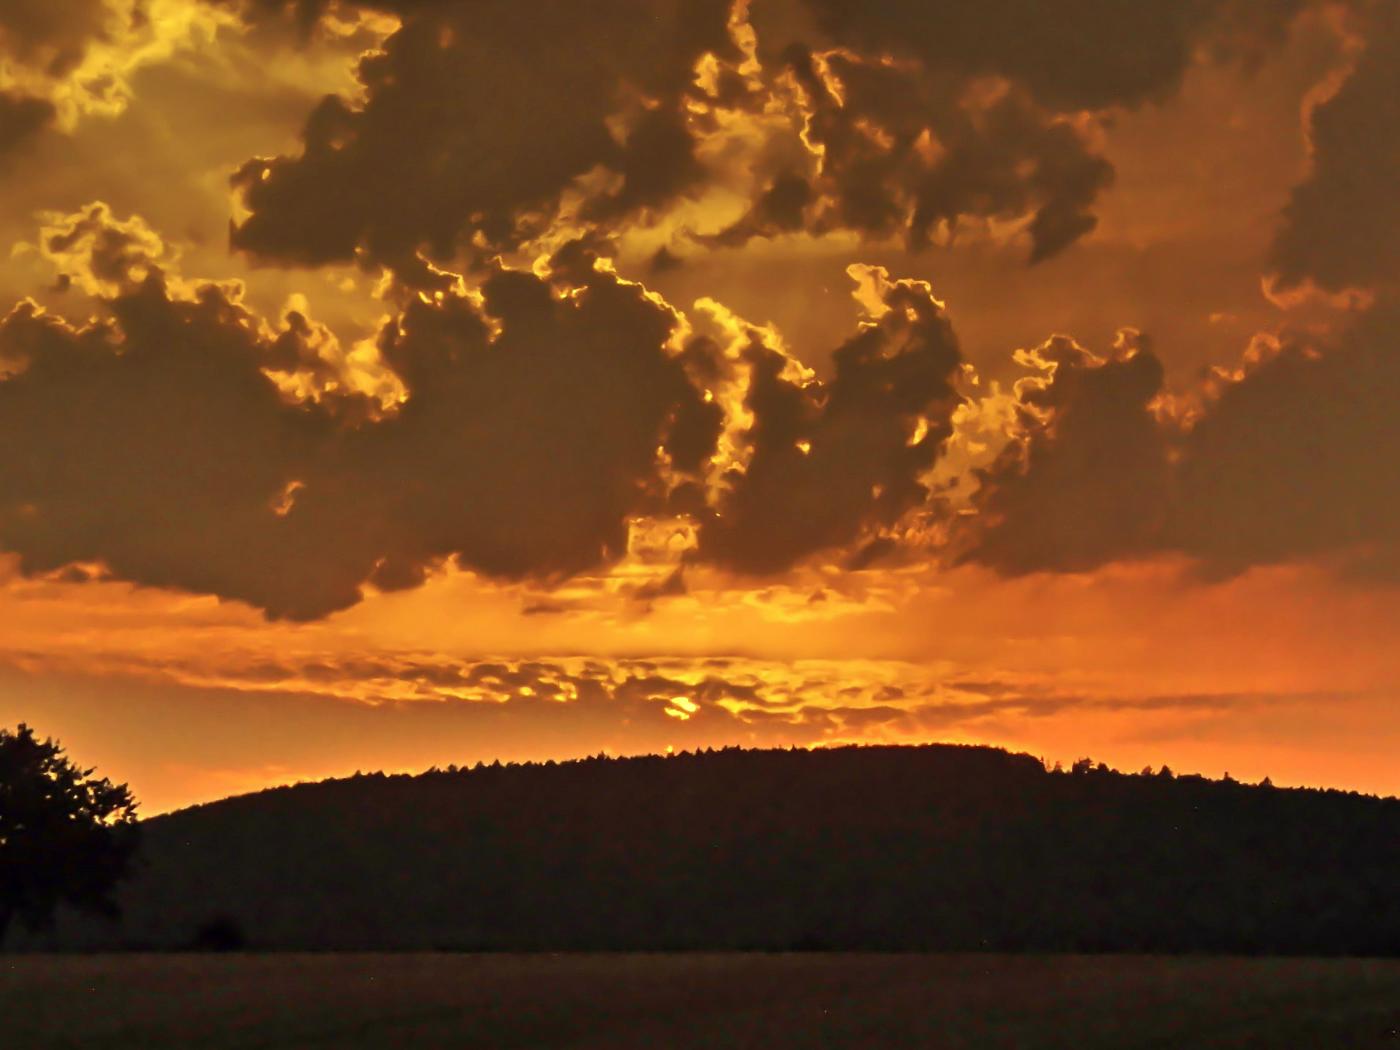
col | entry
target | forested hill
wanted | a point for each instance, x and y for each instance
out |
(937, 847)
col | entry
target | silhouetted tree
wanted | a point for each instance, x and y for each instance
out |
(65, 835)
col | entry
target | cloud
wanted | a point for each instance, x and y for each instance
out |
(21, 118)
(169, 440)
(1341, 229)
(690, 702)
(831, 698)
(100, 253)
(79, 56)
(1292, 457)
(532, 425)
(474, 119)
(154, 445)
(1079, 54)
(1086, 480)
(925, 121)
(529, 436)
(1280, 462)
(482, 127)
(825, 461)
(902, 151)
(53, 34)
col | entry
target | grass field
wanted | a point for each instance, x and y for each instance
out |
(348, 1002)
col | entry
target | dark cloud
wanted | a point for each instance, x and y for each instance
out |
(477, 115)
(159, 443)
(21, 118)
(1341, 228)
(904, 119)
(908, 152)
(924, 118)
(529, 437)
(1073, 54)
(827, 461)
(152, 443)
(1296, 458)
(1287, 460)
(1086, 482)
(52, 35)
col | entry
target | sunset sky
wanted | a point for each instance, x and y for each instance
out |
(390, 383)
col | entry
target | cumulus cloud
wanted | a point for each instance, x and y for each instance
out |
(100, 253)
(923, 120)
(480, 125)
(824, 462)
(530, 434)
(475, 118)
(1085, 480)
(152, 444)
(179, 440)
(1280, 462)
(898, 151)
(1294, 455)
(528, 425)
(165, 441)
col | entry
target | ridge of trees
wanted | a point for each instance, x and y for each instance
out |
(935, 847)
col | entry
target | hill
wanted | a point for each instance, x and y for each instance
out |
(936, 847)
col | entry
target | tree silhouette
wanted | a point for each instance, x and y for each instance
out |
(65, 836)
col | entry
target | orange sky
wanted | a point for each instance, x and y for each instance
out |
(575, 381)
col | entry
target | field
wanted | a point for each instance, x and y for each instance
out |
(347, 1002)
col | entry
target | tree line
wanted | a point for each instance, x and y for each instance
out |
(891, 848)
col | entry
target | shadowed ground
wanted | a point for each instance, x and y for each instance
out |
(825, 1000)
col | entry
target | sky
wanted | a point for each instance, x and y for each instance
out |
(397, 383)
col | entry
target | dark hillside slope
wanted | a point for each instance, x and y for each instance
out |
(935, 847)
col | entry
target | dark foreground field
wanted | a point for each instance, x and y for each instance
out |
(822, 1000)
